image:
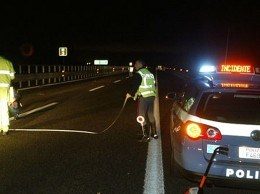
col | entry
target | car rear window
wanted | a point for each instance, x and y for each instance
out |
(241, 108)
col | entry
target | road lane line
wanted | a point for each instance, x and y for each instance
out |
(117, 81)
(154, 178)
(96, 88)
(35, 110)
(54, 130)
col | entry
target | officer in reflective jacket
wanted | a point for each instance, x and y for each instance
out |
(6, 75)
(143, 89)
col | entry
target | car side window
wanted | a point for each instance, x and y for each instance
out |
(189, 98)
(188, 103)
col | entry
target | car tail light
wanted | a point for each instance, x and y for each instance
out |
(197, 130)
(193, 130)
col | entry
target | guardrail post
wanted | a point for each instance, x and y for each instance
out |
(63, 71)
(43, 71)
(49, 70)
(36, 71)
(20, 72)
(29, 72)
(54, 70)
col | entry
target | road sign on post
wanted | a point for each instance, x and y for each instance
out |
(63, 51)
(100, 62)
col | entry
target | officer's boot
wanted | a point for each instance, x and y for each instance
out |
(146, 133)
(154, 131)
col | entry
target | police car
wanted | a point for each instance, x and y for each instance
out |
(218, 107)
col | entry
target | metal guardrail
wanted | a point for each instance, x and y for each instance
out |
(37, 75)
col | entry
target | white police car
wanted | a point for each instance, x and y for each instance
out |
(219, 107)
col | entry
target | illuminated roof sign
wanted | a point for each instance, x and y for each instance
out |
(236, 68)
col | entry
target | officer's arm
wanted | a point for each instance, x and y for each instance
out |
(11, 69)
(136, 82)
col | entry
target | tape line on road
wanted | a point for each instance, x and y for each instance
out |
(46, 130)
(35, 110)
(54, 130)
(117, 81)
(96, 88)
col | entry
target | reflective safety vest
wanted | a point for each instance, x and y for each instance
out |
(147, 87)
(6, 73)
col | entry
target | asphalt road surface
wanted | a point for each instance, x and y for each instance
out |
(91, 160)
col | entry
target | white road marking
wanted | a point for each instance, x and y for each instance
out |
(35, 110)
(154, 178)
(96, 88)
(54, 130)
(117, 81)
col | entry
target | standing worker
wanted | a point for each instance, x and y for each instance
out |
(143, 89)
(6, 75)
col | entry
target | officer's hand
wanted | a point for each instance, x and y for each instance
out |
(128, 96)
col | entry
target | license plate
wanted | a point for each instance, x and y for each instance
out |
(211, 148)
(249, 153)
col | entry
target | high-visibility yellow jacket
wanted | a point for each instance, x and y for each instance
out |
(147, 87)
(6, 72)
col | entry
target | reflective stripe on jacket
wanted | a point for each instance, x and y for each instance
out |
(147, 87)
(6, 72)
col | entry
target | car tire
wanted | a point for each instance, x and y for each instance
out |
(175, 171)
(174, 167)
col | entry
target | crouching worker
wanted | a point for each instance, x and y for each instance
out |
(14, 103)
(6, 75)
(143, 89)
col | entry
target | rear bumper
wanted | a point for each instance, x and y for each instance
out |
(220, 181)
(193, 162)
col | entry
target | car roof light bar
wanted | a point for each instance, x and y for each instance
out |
(207, 69)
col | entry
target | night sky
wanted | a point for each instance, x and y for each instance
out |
(180, 32)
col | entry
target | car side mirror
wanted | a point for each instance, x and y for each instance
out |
(175, 96)
(172, 96)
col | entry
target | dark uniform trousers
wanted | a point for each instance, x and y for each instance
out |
(146, 109)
